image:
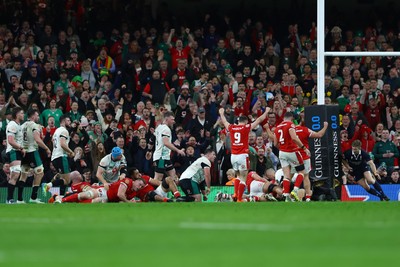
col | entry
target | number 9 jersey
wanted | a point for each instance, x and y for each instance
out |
(239, 135)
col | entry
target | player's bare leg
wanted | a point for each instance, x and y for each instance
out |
(242, 184)
(159, 176)
(169, 185)
(15, 168)
(38, 174)
(90, 194)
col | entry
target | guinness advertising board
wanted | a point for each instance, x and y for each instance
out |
(325, 151)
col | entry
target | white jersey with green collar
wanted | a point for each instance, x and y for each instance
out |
(58, 151)
(13, 129)
(161, 151)
(196, 170)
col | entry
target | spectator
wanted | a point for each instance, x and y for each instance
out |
(385, 151)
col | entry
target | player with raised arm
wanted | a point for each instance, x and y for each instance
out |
(59, 156)
(31, 142)
(239, 135)
(196, 178)
(259, 188)
(14, 151)
(162, 154)
(289, 155)
(112, 168)
(360, 166)
(304, 133)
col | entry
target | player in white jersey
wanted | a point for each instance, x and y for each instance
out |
(112, 168)
(60, 154)
(196, 178)
(14, 151)
(31, 142)
(162, 154)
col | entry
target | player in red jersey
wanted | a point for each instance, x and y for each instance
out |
(259, 188)
(239, 135)
(304, 134)
(289, 154)
(117, 192)
(154, 190)
(78, 185)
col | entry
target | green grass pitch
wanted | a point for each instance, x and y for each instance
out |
(204, 234)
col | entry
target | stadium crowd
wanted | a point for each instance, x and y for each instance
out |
(116, 87)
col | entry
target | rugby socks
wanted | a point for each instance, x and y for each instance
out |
(71, 198)
(10, 191)
(378, 188)
(286, 186)
(373, 192)
(241, 189)
(20, 186)
(34, 192)
(63, 188)
(308, 198)
(177, 194)
(236, 183)
(57, 182)
(299, 181)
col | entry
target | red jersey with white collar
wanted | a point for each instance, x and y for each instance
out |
(142, 193)
(112, 192)
(286, 144)
(239, 135)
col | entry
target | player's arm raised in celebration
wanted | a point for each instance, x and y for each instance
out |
(260, 119)
(321, 132)
(269, 132)
(221, 112)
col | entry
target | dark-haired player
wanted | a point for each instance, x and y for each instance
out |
(239, 135)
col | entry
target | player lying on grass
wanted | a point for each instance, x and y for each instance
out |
(117, 192)
(154, 190)
(259, 188)
(78, 185)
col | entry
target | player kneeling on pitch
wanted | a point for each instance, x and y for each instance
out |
(196, 176)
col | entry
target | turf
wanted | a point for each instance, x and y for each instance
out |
(208, 234)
